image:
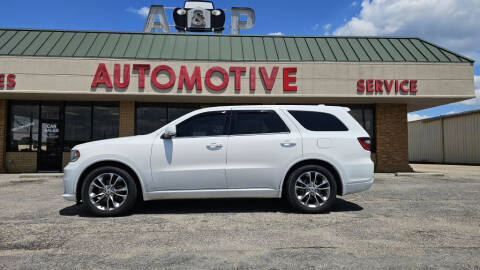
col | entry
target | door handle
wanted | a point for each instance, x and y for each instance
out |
(214, 146)
(288, 144)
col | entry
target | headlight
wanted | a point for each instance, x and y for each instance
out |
(216, 12)
(74, 155)
(181, 12)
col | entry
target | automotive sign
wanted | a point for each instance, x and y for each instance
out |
(190, 79)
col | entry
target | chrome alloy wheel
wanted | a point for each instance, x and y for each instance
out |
(108, 191)
(312, 189)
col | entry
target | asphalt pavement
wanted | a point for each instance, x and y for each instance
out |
(415, 222)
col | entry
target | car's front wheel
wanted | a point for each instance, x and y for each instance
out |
(311, 189)
(109, 191)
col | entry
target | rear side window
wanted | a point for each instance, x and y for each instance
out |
(318, 121)
(257, 122)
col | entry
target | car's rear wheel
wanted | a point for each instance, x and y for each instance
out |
(109, 191)
(311, 189)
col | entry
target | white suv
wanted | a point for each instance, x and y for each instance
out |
(305, 154)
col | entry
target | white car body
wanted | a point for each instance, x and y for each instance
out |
(243, 166)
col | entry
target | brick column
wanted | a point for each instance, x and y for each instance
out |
(127, 119)
(3, 134)
(392, 138)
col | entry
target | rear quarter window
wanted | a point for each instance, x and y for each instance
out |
(257, 122)
(318, 121)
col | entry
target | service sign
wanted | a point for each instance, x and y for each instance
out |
(387, 86)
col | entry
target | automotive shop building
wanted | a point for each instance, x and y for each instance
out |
(62, 88)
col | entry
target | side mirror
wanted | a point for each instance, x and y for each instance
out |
(170, 132)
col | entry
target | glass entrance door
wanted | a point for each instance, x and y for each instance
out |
(50, 150)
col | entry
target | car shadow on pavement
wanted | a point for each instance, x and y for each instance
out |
(214, 206)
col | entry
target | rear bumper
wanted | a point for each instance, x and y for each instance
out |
(358, 176)
(358, 186)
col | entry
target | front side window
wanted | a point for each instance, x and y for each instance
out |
(257, 122)
(318, 121)
(23, 127)
(205, 124)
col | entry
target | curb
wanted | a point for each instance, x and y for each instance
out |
(36, 175)
(419, 174)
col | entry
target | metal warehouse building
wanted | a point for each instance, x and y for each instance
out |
(451, 139)
(61, 88)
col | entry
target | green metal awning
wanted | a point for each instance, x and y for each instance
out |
(137, 45)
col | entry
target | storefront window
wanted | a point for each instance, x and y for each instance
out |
(151, 116)
(50, 112)
(23, 127)
(366, 118)
(149, 119)
(368, 121)
(87, 122)
(78, 125)
(105, 122)
(176, 112)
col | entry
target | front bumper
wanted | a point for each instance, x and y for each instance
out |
(70, 182)
(69, 197)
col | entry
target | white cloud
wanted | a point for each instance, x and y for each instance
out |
(453, 24)
(143, 11)
(477, 83)
(276, 34)
(415, 117)
(474, 101)
(326, 29)
(316, 27)
(451, 112)
(354, 3)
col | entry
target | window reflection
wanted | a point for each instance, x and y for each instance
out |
(83, 122)
(24, 127)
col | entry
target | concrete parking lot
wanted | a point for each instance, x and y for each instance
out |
(402, 222)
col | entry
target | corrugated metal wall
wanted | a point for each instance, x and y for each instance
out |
(425, 142)
(451, 139)
(462, 139)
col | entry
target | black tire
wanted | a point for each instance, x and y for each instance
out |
(127, 204)
(291, 193)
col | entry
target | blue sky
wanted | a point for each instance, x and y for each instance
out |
(114, 14)
(453, 24)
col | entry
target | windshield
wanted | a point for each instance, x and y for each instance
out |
(199, 4)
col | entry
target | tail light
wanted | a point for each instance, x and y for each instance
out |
(365, 142)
